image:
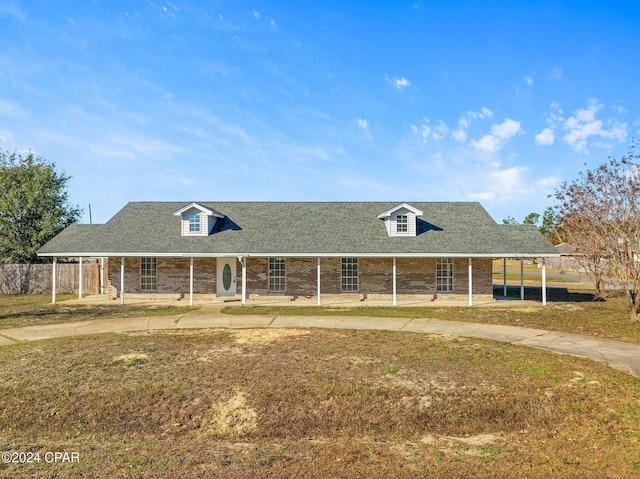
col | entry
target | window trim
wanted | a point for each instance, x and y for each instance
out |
(194, 220)
(277, 275)
(350, 282)
(444, 276)
(402, 224)
(148, 274)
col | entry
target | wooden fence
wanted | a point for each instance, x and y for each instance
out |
(37, 278)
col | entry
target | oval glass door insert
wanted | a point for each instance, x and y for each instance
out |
(226, 277)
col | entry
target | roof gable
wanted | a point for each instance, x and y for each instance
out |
(202, 209)
(390, 212)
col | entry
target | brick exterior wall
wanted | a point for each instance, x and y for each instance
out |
(415, 279)
(173, 277)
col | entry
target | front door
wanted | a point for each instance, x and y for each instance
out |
(226, 277)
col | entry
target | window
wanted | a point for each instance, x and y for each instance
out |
(444, 275)
(148, 274)
(194, 222)
(349, 275)
(277, 275)
(402, 224)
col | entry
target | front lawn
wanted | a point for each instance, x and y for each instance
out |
(312, 403)
(20, 310)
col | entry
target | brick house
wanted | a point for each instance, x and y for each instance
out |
(292, 250)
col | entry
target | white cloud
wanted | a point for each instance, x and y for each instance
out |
(509, 180)
(397, 82)
(487, 143)
(494, 141)
(166, 11)
(620, 109)
(484, 113)
(546, 137)
(12, 10)
(10, 108)
(548, 182)
(482, 196)
(256, 15)
(425, 131)
(460, 133)
(528, 79)
(499, 185)
(362, 123)
(176, 176)
(584, 127)
(5, 135)
(556, 73)
(506, 129)
(135, 148)
(440, 131)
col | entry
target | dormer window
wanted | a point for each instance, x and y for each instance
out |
(197, 220)
(401, 220)
(402, 224)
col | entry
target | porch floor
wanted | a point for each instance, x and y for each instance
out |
(497, 301)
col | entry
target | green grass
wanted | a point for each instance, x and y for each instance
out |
(313, 403)
(36, 309)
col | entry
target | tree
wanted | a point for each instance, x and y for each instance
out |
(547, 227)
(600, 218)
(33, 206)
(531, 219)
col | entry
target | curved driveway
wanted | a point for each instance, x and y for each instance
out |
(618, 354)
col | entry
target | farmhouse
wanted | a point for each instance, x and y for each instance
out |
(322, 251)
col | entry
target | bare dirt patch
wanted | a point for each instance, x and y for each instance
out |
(477, 445)
(265, 336)
(232, 418)
(130, 359)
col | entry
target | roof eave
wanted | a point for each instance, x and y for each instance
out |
(297, 255)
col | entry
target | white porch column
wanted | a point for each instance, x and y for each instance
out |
(470, 282)
(53, 282)
(318, 281)
(504, 273)
(80, 280)
(191, 281)
(102, 275)
(521, 279)
(544, 282)
(394, 281)
(122, 280)
(244, 281)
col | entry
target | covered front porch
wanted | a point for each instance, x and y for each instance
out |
(303, 281)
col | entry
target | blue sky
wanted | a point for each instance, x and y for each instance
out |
(490, 101)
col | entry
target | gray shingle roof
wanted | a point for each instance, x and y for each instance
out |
(301, 229)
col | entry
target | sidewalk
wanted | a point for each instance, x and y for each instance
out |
(617, 354)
